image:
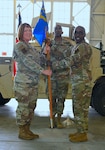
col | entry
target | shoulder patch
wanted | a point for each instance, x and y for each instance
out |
(22, 47)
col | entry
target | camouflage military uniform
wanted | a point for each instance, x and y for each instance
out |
(26, 81)
(60, 74)
(81, 85)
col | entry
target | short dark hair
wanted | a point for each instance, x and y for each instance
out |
(21, 30)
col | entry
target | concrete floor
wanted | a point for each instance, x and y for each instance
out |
(50, 139)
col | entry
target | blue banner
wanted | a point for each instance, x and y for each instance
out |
(41, 27)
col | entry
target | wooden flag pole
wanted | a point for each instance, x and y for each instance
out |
(50, 90)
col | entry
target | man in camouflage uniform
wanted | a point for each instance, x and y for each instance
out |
(81, 84)
(60, 74)
(26, 81)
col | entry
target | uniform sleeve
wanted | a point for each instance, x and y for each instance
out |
(86, 58)
(22, 55)
(64, 62)
(85, 52)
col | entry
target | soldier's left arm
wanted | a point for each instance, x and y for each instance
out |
(86, 53)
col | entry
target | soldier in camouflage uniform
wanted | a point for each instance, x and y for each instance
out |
(60, 76)
(26, 81)
(81, 84)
